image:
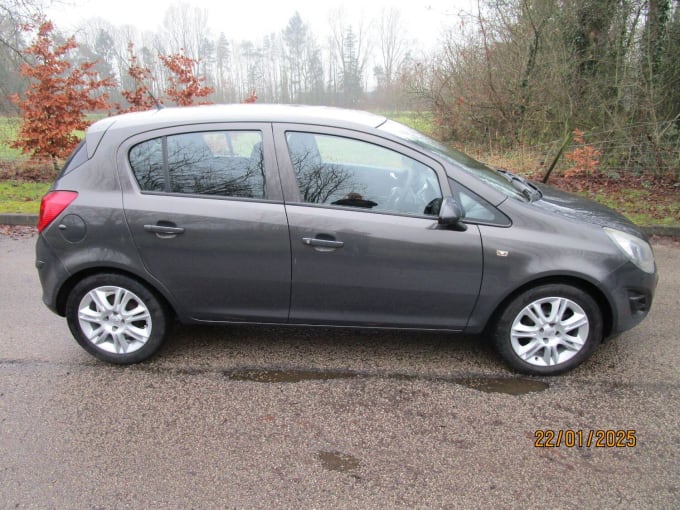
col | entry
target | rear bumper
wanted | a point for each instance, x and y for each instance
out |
(52, 274)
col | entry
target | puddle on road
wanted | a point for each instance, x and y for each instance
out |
(505, 385)
(286, 376)
(337, 461)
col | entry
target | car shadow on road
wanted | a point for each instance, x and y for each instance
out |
(329, 348)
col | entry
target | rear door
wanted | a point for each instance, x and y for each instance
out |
(205, 210)
(366, 245)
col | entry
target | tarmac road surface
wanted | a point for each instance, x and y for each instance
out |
(252, 417)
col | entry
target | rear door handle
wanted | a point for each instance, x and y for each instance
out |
(164, 231)
(322, 243)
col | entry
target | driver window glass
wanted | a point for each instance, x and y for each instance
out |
(345, 172)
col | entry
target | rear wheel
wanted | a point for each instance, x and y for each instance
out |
(549, 329)
(116, 318)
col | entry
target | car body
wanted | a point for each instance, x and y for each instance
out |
(319, 216)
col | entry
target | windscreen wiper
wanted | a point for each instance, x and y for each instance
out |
(527, 189)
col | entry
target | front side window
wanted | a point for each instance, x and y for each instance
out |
(345, 172)
(469, 165)
(223, 163)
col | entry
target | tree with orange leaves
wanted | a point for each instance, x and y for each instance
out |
(252, 98)
(140, 98)
(585, 158)
(184, 85)
(58, 97)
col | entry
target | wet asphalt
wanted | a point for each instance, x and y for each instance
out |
(261, 417)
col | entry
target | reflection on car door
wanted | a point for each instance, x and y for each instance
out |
(211, 235)
(354, 265)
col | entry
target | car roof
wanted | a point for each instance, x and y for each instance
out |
(128, 124)
(167, 117)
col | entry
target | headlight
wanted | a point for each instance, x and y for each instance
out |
(635, 249)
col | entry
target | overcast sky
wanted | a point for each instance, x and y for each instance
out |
(252, 19)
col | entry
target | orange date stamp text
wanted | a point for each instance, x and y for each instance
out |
(597, 438)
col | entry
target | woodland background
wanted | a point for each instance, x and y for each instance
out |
(589, 87)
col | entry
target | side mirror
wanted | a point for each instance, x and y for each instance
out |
(451, 214)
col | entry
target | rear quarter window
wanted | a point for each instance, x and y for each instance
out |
(146, 160)
(76, 159)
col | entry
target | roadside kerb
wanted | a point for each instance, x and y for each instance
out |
(28, 220)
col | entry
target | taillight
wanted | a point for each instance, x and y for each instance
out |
(52, 206)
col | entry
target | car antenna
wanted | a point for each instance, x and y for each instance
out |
(159, 105)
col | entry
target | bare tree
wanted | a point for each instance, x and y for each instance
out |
(393, 48)
(186, 29)
(13, 15)
(352, 48)
(223, 70)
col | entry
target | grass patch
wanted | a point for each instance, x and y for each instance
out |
(641, 206)
(9, 127)
(21, 197)
(420, 121)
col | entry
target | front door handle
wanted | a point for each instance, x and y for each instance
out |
(164, 231)
(322, 243)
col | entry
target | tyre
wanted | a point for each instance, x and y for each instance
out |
(549, 329)
(116, 318)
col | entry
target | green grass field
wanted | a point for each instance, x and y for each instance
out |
(641, 206)
(420, 121)
(9, 126)
(21, 197)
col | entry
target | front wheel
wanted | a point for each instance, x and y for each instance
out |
(548, 330)
(116, 318)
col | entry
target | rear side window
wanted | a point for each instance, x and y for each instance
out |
(222, 163)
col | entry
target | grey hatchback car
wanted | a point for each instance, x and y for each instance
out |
(318, 216)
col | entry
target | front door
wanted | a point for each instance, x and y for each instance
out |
(366, 245)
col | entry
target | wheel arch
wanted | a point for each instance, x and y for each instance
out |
(72, 281)
(579, 283)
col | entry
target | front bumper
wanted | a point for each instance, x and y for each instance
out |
(631, 293)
